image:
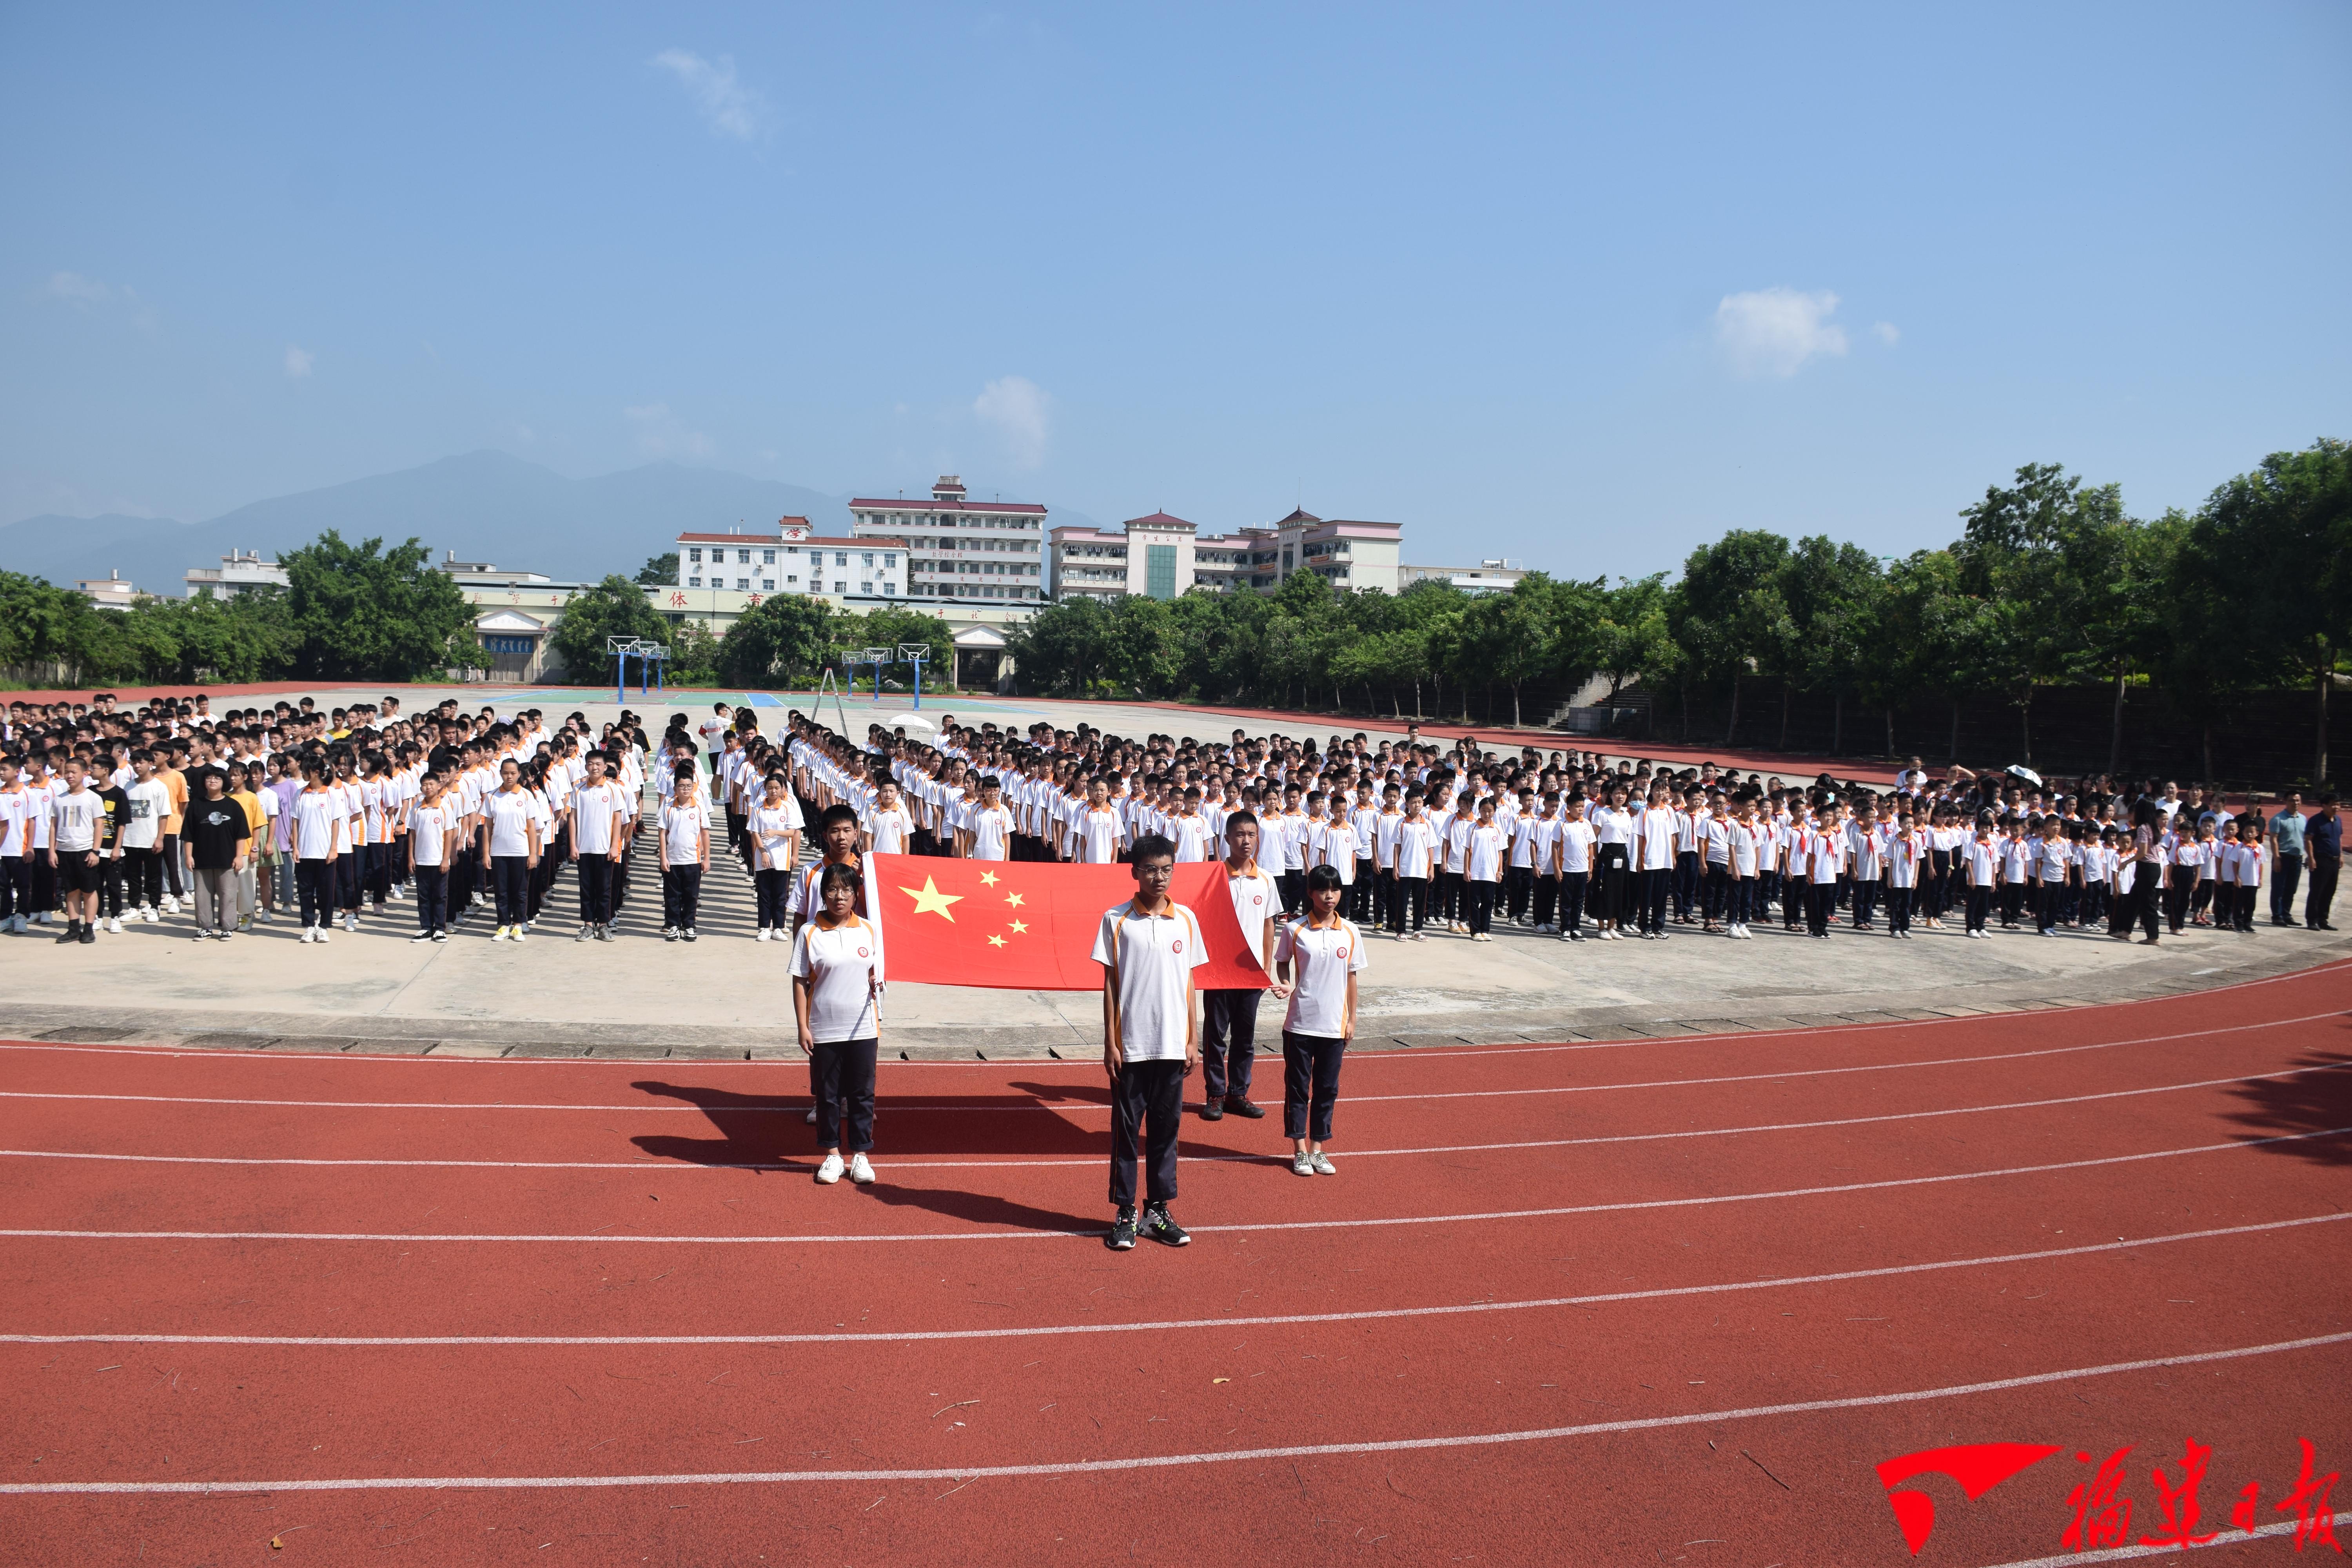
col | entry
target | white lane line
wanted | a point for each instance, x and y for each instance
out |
(2228, 1537)
(655, 1164)
(1169, 1461)
(1370, 1315)
(797, 1107)
(1423, 1053)
(1035, 1233)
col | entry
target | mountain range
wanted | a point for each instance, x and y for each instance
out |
(487, 506)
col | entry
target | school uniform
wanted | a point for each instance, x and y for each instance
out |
(2247, 861)
(1151, 958)
(1229, 1018)
(319, 826)
(1386, 891)
(1364, 823)
(1313, 1030)
(1417, 853)
(2016, 876)
(1906, 855)
(1825, 864)
(1745, 846)
(1865, 867)
(1482, 870)
(1656, 832)
(429, 827)
(2184, 868)
(682, 830)
(593, 837)
(843, 968)
(1715, 850)
(1690, 828)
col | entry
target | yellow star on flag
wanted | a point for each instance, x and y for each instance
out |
(988, 878)
(996, 941)
(1020, 926)
(1012, 899)
(931, 901)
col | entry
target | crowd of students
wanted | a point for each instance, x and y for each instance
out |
(112, 813)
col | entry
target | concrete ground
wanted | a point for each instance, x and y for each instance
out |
(726, 996)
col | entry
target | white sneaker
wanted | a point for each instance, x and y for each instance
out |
(860, 1171)
(1302, 1163)
(147, 913)
(830, 1171)
(114, 926)
(1322, 1162)
(518, 934)
(760, 935)
(499, 935)
(170, 904)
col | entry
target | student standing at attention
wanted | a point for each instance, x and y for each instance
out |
(837, 1002)
(1318, 957)
(1148, 947)
(1229, 1019)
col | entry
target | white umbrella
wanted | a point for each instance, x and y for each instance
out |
(2028, 774)
(908, 722)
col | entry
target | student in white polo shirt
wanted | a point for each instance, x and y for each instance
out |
(1148, 947)
(1229, 1019)
(685, 825)
(1320, 956)
(837, 1002)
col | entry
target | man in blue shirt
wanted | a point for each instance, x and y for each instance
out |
(2286, 848)
(2322, 847)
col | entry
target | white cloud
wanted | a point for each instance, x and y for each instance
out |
(727, 107)
(297, 364)
(661, 434)
(1016, 408)
(81, 290)
(1773, 331)
(1885, 333)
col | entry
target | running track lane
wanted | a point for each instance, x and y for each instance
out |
(1622, 1487)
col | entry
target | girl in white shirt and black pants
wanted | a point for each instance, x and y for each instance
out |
(1320, 956)
(837, 999)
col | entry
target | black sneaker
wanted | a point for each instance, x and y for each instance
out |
(1122, 1232)
(71, 933)
(90, 932)
(1245, 1110)
(1214, 1110)
(1161, 1228)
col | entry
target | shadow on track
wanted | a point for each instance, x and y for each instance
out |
(2307, 1102)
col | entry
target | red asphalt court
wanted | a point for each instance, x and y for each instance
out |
(1650, 1301)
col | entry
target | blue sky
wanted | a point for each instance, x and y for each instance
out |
(1581, 285)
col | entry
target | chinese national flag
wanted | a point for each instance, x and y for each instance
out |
(1025, 925)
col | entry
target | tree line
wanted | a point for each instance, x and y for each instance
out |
(349, 611)
(2050, 583)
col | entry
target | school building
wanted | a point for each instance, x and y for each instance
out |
(1160, 556)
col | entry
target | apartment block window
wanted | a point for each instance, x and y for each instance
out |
(742, 584)
(767, 558)
(869, 561)
(695, 555)
(767, 584)
(864, 587)
(841, 588)
(694, 582)
(793, 578)
(841, 558)
(742, 558)
(891, 560)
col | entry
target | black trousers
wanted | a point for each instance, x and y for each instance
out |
(142, 874)
(1147, 1109)
(1478, 907)
(774, 889)
(1686, 879)
(1898, 909)
(2176, 909)
(1865, 901)
(1410, 891)
(841, 1076)
(2316, 902)
(1228, 1042)
(432, 898)
(1650, 898)
(1820, 899)
(595, 889)
(1740, 899)
(1716, 891)
(681, 894)
(17, 884)
(1572, 888)
(347, 881)
(1609, 882)
(1384, 898)
(1292, 885)
(1310, 1084)
(509, 885)
(314, 884)
(1979, 905)
(2012, 901)
(1449, 897)
(1546, 899)
(1361, 893)
(1518, 888)
(2049, 903)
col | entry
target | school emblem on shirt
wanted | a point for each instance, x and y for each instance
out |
(1179, 946)
(1257, 898)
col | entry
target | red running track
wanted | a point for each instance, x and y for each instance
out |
(1652, 1302)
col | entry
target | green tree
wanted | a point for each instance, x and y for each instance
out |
(693, 655)
(658, 571)
(1927, 630)
(614, 607)
(2047, 555)
(1631, 643)
(780, 642)
(1728, 607)
(363, 611)
(2279, 543)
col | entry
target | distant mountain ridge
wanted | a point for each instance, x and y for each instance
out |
(485, 506)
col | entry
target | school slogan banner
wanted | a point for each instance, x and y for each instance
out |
(1023, 925)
